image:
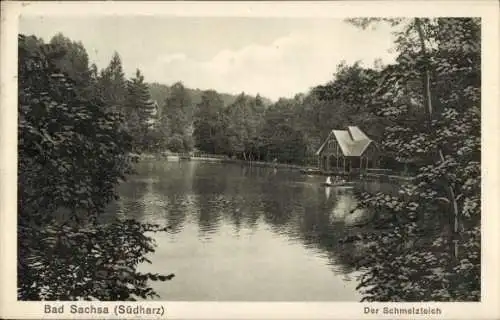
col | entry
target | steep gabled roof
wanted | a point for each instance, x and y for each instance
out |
(344, 140)
(353, 142)
(357, 134)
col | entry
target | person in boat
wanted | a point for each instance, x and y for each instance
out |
(275, 163)
(328, 180)
(336, 180)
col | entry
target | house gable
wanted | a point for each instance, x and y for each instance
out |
(352, 142)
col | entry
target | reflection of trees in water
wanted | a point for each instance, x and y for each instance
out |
(318, 230)
(174, 212)
(174, 191)
(303, 211)
(346, 210)
(212, 194)
(208, 186)
(243, 206)
(318, 219)
(129, 204)
(277, 202)
(385, 187)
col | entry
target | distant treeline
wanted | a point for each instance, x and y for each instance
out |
(160, 92)
(254, 128)
(179, 119)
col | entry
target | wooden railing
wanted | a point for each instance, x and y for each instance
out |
(194, 155)
(207, 155)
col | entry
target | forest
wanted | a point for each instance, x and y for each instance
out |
(81, 130)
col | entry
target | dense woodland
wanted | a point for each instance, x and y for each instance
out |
(254, 128)
(80, 129)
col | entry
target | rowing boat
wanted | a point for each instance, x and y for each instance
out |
(339, 184)
(342, 183)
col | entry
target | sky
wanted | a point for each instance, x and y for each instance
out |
(276, 57)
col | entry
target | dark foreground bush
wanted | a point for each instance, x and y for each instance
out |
(72, 153)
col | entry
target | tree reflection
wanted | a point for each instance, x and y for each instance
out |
(213, 195)
(209, 187)
(129, 204)
(174, 183)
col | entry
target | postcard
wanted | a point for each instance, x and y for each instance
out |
(250, 160)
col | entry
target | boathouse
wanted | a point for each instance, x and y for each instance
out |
(347, 151)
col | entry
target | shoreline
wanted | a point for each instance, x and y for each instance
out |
(309, 170)
(223, 159)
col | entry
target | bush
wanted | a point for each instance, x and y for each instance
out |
(72, 154)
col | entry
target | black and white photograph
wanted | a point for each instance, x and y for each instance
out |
(245, 158)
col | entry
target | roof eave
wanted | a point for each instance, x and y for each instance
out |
(324, 143)
(366, 147)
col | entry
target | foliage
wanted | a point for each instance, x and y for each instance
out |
(73, 150)
(140, 111)
(442, 205)
(74, 62)
(160, 92)
(352, 93)
(208, 120)
(76, 131)
(280, 134)
(242, 131)
(289, 130)
(176, 143)
(112, 84)
(209, 123)
(176, 118)
(103, 267)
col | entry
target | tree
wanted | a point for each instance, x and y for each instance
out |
(72, 153)
(244, 118)
(139, 111)
(435, 242)
(281, 136)
(112, 84)
(207, 124)
(74, 62)
(347, 99)
(177, 115)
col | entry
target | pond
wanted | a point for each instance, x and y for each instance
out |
(241, 233)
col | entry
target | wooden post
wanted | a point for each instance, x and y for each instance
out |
(344, 163)
(361, 171)
(337, 157)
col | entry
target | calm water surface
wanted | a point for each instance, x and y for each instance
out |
(243, 233)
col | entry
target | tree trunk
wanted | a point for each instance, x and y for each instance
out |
(428, 101)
